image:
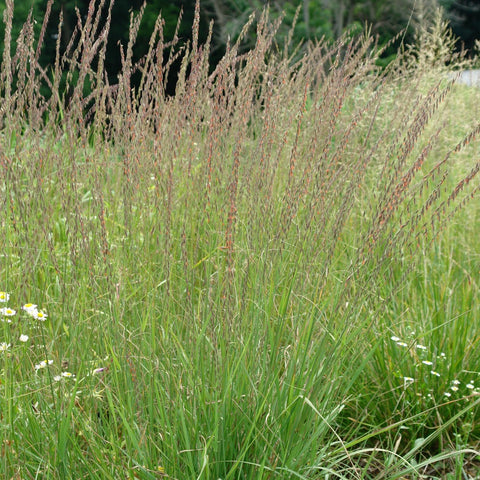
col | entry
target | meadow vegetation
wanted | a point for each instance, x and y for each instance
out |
(273, 273)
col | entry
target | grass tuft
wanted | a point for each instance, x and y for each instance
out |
(271, 274)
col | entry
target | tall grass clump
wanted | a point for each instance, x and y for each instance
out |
(273, 273)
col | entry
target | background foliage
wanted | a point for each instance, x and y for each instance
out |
(314, 19)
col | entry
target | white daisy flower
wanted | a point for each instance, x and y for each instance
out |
(43, 364)
(40, 315)
(4, 296)
(30, 308)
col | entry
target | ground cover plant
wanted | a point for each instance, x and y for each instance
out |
(272, 274)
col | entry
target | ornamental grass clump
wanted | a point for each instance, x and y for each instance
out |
(219, 273)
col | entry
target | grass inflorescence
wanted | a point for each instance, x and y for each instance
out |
(273, 273)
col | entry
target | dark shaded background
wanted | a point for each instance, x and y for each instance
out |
(317, 18)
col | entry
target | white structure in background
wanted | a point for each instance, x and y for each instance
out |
(467, 77)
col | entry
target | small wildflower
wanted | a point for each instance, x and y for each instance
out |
(421, 347)
(57, 378)
(454, 389)
(470, 386)
(99, 370)
(456, 382)
(4, 296)
(30, 308)
(68, 375)
(43, 364)
(447, 394)
(395, 339)
(433, 372)
(427, 362)
(4, 346)
(442, 355)
(40, 315)
(8, 312)
(24, 338)
(408, 379)
(402, 344)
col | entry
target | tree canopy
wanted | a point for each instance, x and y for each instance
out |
(314, 19)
